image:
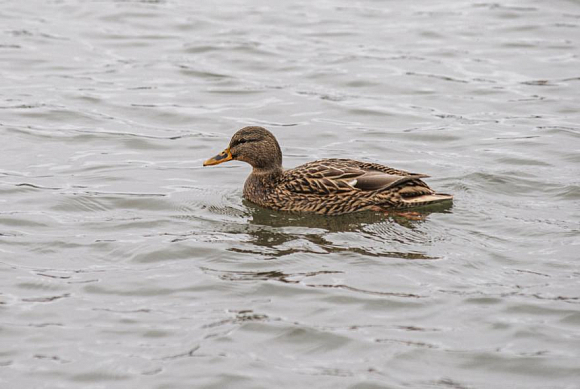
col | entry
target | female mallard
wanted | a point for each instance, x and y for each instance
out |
(327, 186)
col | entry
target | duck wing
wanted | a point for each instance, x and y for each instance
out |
(344, 175)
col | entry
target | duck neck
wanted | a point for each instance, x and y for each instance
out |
(269, 172)
(260, 183)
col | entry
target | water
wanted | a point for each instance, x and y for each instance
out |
(125, 264)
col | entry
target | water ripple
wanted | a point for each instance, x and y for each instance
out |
(123, 259)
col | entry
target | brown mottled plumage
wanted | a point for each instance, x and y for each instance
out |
(327, 186)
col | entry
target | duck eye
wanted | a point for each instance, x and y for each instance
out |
(241, 141)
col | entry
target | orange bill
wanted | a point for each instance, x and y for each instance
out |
(224, 156)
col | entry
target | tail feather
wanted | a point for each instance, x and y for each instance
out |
(426, 199)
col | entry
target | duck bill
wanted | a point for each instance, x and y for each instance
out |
(222, 157)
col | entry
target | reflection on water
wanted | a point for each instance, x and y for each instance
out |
(283, 233)
(297, 278)
(350, 222)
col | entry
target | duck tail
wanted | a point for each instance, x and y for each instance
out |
(426, 199)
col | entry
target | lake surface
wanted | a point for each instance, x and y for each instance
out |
(126, 264)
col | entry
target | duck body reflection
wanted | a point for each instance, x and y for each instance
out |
(370, 233)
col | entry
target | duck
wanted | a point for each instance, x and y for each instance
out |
(327, 186)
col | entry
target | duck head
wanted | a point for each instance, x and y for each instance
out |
(254, 145)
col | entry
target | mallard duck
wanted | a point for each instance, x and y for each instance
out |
(327, 186)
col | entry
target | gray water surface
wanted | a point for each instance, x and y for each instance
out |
(126, 264)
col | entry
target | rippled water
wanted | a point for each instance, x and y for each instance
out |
(125, 264)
